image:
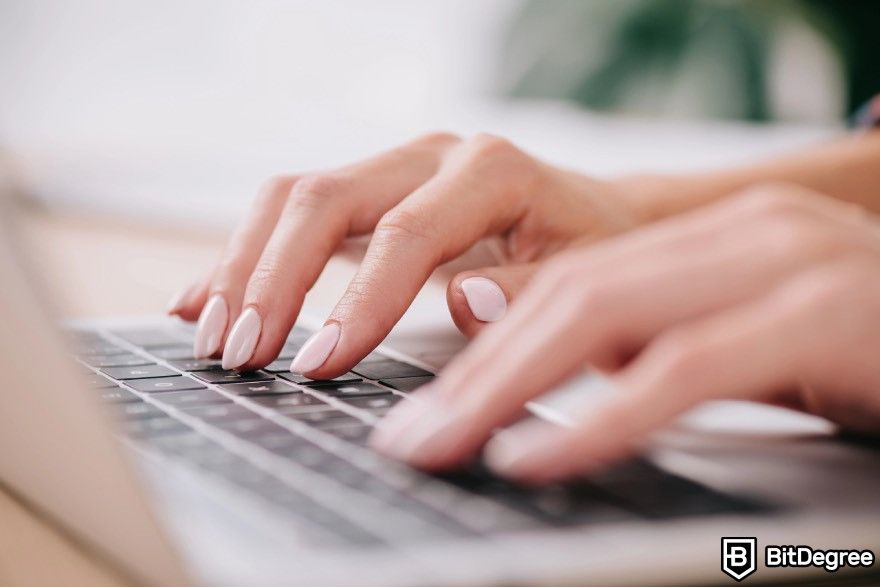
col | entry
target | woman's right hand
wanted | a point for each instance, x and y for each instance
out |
(425, 203)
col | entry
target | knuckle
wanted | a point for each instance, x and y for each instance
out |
(403, 223)
(316, 190)
(813, 239)
(485, 146)
(773, 198)
(502, 163)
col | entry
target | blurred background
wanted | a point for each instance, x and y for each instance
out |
(174, 111)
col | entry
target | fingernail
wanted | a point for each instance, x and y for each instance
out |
(421, 444)
(242, 339)
(485, 298)
(395, 423)
(507, 450)
(212, 324)
(176, 301)
(531, 451)
(316, 349)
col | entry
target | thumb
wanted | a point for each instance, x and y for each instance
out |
(478, 297)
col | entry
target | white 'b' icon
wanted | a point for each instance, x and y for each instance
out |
(739, 556)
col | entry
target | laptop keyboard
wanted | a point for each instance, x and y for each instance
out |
(300, 446)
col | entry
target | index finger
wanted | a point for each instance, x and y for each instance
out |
(467, 200)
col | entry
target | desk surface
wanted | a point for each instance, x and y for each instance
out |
(102, 268)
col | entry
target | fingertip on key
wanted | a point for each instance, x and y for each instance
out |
(316, 349)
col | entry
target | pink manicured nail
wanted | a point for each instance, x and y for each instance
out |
(527, 452)
(395, 423)
(510, 451)
(485, 298)
(316, 349)
(242, 339)
(212, 325)
(422, 443)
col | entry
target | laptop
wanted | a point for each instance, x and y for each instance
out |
(179, 473)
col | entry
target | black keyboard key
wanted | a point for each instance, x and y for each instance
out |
(278, 443)
(174, 353)
(255, 427)
(195, 364)
(357, 434)
(222, 412)
(407, 384)
(195, 397)
(178, 383)
(355, 389)
(567, 505)
(307, 455)
(292, 404)
(389, 369)
(278, 366)
(126, 360)
(142, 372)
(303, 380)
(118, 396)
(298, 335)
(325, 418)
(153, 427)
(374, 402)
(377, 406)
(224, 376)
(342, 471)
(288, 352)
(138, 411)
(645, 489)
(260, 388)
(376, 356)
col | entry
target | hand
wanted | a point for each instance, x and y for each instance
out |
(425, 203)
(772, 296)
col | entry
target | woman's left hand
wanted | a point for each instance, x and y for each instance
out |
(772, 295)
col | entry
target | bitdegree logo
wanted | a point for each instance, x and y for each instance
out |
(739, 557)
(805, 556)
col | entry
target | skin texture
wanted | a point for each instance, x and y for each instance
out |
(690, 309)
(696, 284)
(425, 203)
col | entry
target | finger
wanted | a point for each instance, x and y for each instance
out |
(481, 190)
(320, 212)
(223, 298)
(752, 351)
(585, 309)
(188, 303)
(478, 297)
